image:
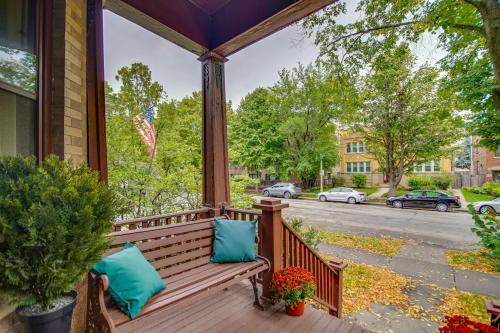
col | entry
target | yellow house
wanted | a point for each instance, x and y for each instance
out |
(354, 158)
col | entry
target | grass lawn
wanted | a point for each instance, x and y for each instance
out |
(465, 304)
(399, 192)
(473, 197)
(473, 260)
(387, 246)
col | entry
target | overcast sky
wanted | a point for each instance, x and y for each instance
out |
(179, 71)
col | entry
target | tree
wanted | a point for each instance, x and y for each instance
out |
(254, 137)
(404, 117)
(469, 30)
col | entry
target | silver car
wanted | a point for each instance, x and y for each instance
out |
(488, 206)
(285, 190)
(345, 194)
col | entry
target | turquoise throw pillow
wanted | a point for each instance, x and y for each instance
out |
(234, 241)
(132, 279)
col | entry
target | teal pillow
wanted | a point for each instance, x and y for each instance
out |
(132, 279)
(234, 241)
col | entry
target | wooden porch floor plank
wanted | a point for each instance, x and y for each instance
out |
(233, 311)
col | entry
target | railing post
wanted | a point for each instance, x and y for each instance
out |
(270, 234)
(339, 266)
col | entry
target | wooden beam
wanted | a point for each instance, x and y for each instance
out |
(214, 145)
(96, 126)
(178, 21)
(267, 17)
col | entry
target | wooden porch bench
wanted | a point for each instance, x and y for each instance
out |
(181, 255)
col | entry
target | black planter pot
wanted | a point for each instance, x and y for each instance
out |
(58, 321)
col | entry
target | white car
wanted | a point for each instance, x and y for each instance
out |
(488, 206)
(345, 194)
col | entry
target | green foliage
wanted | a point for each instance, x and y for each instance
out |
(359, 179)
(467, 30)
(310, 235)
(338, 181)
(53, 225)
(436, 182)
(239, 198)
(487, 188)
(487, 228)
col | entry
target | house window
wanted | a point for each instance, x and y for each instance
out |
(361, 166)
(497, 152)
(437, 165)
(348, 148)
(349, 167)
(368, 166)
(17, 77)
(428, 166)
(354, 147)
(361, 147)
(354, 167)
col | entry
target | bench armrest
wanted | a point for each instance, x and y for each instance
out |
(267, 262)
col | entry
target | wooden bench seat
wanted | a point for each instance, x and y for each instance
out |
(181, 255)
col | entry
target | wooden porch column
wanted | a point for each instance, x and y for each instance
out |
(271, 237)
(214, 144)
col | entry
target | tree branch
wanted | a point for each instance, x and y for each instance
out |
(382, 27)
(474, 28)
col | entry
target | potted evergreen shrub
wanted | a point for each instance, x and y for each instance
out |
(53, 224)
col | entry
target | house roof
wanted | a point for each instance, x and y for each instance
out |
(220, 26)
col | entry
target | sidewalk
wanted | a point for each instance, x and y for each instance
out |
(379, 194)
(424, 263)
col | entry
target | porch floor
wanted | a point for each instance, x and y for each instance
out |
(233, 311)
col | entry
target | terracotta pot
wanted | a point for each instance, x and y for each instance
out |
(297, 310)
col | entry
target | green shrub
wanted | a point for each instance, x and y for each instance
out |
(487, 228)
(310, 235)
(442, 182)
(436, 182)
(420, 183)
(53, 225)
(359, 179)
(492, 188)
(338, 181)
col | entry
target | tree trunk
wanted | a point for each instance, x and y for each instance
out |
(490, 14)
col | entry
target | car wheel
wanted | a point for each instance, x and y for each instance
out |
(322, 198)
(287, 195)
(397, 204)
(442, 207)
(351, 200)
(266, 193)
(486, 209)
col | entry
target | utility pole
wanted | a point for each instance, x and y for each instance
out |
(321, 173)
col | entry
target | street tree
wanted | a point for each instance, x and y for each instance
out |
(469, 30)
(405, 118)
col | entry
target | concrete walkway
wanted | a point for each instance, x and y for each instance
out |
(378, 195)
(424, 263)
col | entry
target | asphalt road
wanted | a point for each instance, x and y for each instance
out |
(448, 230)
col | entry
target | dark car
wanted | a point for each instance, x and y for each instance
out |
(425, 199)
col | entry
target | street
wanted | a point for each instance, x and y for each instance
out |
(448, 230)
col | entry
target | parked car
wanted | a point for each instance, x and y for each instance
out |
(488, 206)
(345, 194)
(425, 199)
(285, 190)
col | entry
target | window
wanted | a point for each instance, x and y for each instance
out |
(433, 194)
(17, 77)
(428, 167)
(354, 167)
(348, 148)
(346, 190)
(361, 147)
(497, 152)
(361, 166)
(416, 194)
(368, 166)
(349, 167)
(437, 165)
(354, 147)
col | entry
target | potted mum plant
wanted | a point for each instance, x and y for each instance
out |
(293, 285)
(53, 224)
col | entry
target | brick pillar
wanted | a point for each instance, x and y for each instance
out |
(271, 236)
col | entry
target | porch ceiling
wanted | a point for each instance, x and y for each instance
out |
(220, 26)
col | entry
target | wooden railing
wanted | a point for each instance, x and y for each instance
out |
(329, 274)
(242, 214)
(163, 219)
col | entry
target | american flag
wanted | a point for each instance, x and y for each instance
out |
(145, 128)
